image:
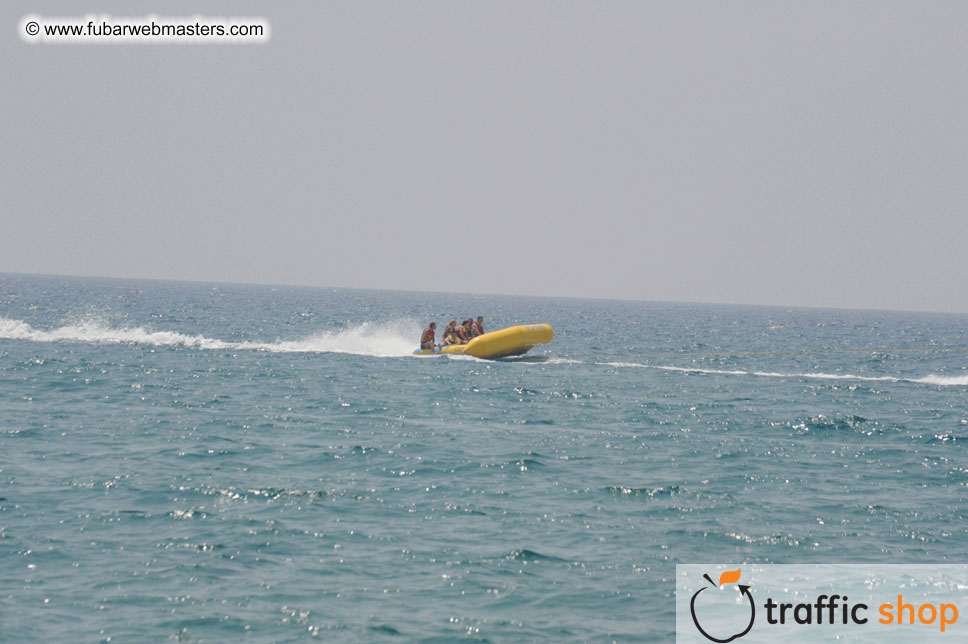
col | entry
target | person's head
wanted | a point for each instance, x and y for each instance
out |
(480, 318)
(433, 325)
(452, 323)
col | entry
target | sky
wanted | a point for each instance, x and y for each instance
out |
(781, 153)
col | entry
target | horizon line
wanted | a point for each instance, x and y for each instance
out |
(484, 293)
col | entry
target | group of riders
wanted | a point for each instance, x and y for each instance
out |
(453, 334)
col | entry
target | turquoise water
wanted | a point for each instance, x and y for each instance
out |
(222, 462)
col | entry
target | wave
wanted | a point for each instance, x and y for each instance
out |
(388, 339)
(943, 381)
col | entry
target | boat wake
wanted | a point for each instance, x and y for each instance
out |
(389, 339)
(943, 381)
(384, 339)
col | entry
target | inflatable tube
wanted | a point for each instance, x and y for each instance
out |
(512, 341)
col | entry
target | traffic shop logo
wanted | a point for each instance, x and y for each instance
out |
(721, 616)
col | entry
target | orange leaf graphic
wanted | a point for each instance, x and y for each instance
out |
(729, 577)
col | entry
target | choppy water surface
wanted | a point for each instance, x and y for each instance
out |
(217, 462)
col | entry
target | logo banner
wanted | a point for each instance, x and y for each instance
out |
(882, 603)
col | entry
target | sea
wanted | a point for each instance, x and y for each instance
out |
(200, 462)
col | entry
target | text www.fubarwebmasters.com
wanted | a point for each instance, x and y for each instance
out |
(148, 30)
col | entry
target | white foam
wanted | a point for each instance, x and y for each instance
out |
(627, 364)
(385, 340)
(944, 381)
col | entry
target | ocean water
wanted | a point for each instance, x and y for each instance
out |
(210, 462)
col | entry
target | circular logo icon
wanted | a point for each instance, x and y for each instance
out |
(730, 576)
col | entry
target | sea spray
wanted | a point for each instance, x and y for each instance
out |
(384, 339)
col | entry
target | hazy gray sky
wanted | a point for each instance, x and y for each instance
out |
(795, 153)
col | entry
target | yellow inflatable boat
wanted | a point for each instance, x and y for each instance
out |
(512, 341)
